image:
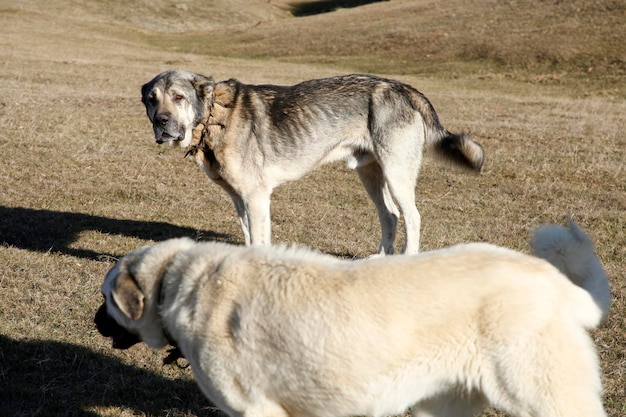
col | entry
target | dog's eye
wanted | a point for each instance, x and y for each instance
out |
(178, 97)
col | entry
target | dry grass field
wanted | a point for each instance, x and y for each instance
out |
(541, 84)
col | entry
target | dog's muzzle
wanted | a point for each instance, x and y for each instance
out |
(166, 129)
(122, 338)
(162, 136)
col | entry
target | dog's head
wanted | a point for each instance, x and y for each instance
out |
(175, 103)
(132, 295)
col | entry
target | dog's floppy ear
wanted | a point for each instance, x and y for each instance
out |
(144, 92)
(204, 87)
(128, 296)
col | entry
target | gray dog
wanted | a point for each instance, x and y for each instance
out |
(250, 139)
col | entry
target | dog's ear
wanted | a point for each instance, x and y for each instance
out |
(204, 87)
(225, 93)
(144, 92)
(128, 296)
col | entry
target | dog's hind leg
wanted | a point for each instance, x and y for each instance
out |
(399, 148)
(371, 176)
(412, 218)
(401, 182)
(554, 375)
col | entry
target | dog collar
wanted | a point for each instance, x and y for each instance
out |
(202, 142)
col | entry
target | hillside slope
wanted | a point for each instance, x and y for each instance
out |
(578, 42)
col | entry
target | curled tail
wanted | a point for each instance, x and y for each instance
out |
(571, 251)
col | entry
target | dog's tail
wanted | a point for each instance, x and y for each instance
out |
(458, 150)
(571, 251)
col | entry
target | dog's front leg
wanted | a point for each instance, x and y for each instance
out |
(257, 207)
(242, 213)
(243, 217)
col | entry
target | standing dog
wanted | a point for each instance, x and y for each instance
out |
(249, 139)
(277, 332)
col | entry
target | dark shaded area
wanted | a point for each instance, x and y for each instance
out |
(48, 378)
(310, 8)
(54, 231)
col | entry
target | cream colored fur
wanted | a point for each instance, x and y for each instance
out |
(277, 331)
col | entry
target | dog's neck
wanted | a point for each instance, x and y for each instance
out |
(209, 117)
(174, 353)
(201, 135)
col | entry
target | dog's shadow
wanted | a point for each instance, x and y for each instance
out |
(48, 378)
(55, 231)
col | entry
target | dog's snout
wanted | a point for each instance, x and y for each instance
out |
(108, 327)
(162, 119)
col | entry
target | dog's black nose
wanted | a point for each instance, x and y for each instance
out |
(162, 119)
(108, 327)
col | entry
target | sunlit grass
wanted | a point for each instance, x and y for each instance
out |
(83, 183)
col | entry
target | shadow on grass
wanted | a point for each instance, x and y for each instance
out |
(309, 8)
(48, 378)
(55, 231)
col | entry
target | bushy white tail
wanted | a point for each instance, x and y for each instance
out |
(571, 250)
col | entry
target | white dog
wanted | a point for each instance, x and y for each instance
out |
(277, 332)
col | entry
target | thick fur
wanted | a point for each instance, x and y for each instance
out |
(258, 137)
(572, 252)
(276, 331)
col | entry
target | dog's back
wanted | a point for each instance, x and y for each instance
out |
(439, 332)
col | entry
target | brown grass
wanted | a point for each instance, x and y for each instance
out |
(539, 84)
